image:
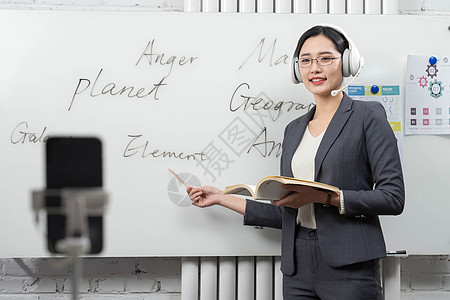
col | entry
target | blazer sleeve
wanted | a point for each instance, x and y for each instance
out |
(262, 214)
(388, 195)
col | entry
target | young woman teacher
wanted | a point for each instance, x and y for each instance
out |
(331, 242)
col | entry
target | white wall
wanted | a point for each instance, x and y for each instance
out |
(405, 6)
(423, 277)
(424, 6)
(120, 5)
(103, 278)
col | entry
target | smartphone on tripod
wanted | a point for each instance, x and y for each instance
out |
(72, 162)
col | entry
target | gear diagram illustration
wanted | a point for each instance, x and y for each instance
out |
(436, 89)
(423, 82)
(432, 71)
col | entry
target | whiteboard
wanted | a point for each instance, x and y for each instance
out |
(207, 95)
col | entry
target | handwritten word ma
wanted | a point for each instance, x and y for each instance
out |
(284, 59)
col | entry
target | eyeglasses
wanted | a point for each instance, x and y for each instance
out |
(321, 61)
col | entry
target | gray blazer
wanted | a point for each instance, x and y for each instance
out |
(358, 154)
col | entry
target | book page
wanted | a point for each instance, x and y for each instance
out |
(271, 190)
(241, 189)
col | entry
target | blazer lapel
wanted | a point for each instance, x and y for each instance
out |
(295, 138)
(334, 129)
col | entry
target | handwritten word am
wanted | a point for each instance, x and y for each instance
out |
(114, 89)
(272, 60)
(21, 134)
(158, 58)
(138, 146)
(264, 146)
(244, 102)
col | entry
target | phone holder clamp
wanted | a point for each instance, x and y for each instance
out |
(77, 204)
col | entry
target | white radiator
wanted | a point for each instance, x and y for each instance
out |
(295, 6)
(231, 278)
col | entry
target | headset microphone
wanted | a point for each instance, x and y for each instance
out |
(335, 92)
(361, 65)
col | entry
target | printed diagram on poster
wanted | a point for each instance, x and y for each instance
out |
(427, 95)
(389, 97)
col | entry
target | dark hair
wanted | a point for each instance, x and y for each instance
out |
(338, 39)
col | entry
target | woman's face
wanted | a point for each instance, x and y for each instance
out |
(320, 79)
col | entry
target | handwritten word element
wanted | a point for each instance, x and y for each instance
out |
(21, 134)
(138, 147)
(155, 58)
(112, 89)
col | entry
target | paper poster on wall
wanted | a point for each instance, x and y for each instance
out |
(427, 95)
(389, 97)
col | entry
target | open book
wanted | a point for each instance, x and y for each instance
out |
(271, 188)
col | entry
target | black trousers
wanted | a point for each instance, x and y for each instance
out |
(314, 279)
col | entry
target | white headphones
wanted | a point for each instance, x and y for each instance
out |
(352, 61)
